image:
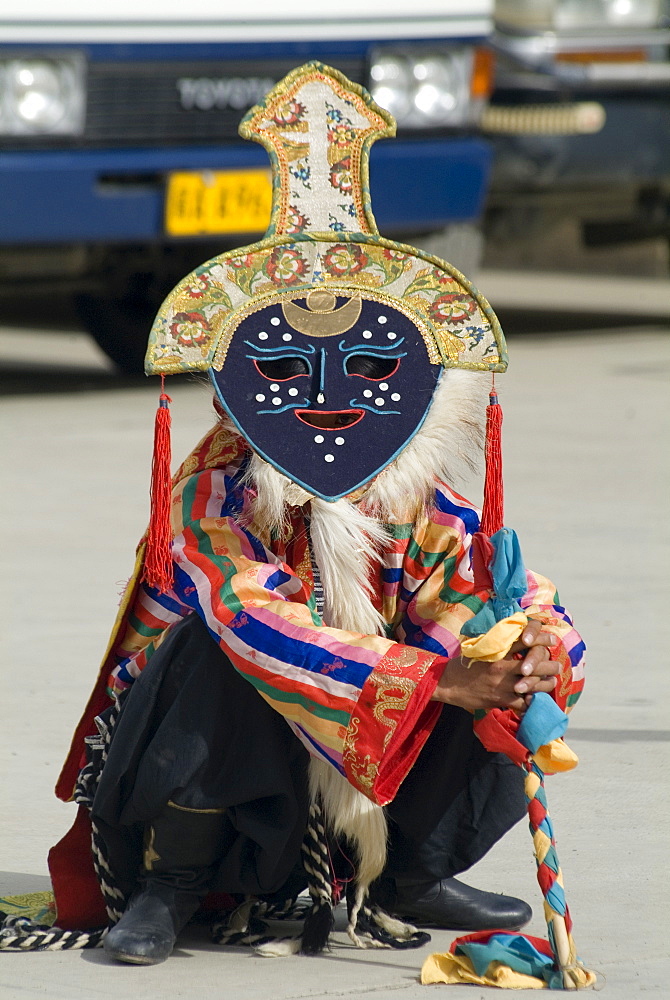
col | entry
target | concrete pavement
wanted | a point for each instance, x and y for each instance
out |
(587, 477)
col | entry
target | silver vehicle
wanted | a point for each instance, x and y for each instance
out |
(580, 119)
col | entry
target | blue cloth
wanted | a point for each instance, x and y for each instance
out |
(484, 620)
(515, 951)
(543, 722)
(509, 584)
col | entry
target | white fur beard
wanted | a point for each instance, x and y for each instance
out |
(345, 543)
(347, 539)
(448, 447)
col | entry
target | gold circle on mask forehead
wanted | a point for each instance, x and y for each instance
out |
(320, 300)
(384, 299)
(322, 318)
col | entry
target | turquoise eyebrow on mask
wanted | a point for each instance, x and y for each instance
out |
(282, 350)
(367, 348)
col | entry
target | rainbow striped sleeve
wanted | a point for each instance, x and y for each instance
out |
(360, 702)
(541, 601)
(436, 593)
(437, 581)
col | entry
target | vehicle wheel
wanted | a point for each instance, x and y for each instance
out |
(120, 326)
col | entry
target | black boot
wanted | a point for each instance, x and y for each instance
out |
(182, 847)
(455, 906)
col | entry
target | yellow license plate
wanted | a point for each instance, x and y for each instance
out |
(218, 201)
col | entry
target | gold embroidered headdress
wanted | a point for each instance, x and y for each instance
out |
(321, 265)
(318, 128)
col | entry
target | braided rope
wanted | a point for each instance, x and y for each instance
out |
(23, 934)
(550, 878)
(85, 789)
(243, 926)
(315, 857)
(19, 933)
(316, 862)
(378, 929)
(369, 926)
(292, 909)
(317, 585)
(246, 925)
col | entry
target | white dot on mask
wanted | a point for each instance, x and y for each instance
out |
(383, 386)
(274, 387)
(367, 334)
(379, 401)
(276, 400)
(275, 321)
(329, 458)
(262, 335)
(319, 438)
(382, 319)
(293, 392)
(286, 336)
(367, 393)
(391, 336)
(395, 396)
(339, 440)
(260, 398)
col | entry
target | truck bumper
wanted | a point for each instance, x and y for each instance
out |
(89, 196)
(632, 147)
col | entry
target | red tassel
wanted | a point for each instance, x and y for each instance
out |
(493, 508)
(158, 568)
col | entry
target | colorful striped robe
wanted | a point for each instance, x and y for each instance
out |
(360, 702)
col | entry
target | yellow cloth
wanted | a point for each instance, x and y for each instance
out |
(555, 756)
(454, 969)
(497, 642)
(458, 969)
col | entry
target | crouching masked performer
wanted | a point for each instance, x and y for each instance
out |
(285, 674)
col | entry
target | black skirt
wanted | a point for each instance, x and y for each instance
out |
(194, 732)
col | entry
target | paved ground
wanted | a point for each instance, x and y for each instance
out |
(587, 473)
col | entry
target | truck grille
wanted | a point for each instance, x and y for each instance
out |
(173, 103)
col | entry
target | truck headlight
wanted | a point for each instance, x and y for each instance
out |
(42, 96)
(391, 85)
(566, 15)
(427, 87)
(441, 87)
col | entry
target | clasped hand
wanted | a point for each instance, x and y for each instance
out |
(507, 683)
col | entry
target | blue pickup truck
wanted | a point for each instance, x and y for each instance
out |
(120, 163)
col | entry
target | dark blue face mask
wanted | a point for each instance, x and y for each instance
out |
(329, 396)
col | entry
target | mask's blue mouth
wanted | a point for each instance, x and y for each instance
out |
(330, 420)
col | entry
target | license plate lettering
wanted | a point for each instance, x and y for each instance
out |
(212, 202)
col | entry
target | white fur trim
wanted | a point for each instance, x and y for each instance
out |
(279, 949)
(448, 447)
(346, 543)
(346, 540)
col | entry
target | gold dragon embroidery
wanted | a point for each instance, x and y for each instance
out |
(389, 699)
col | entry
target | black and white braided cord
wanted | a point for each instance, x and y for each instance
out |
(319, 596)
(374, 928)
(20, 933)
(316, 862)
(247, 925)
